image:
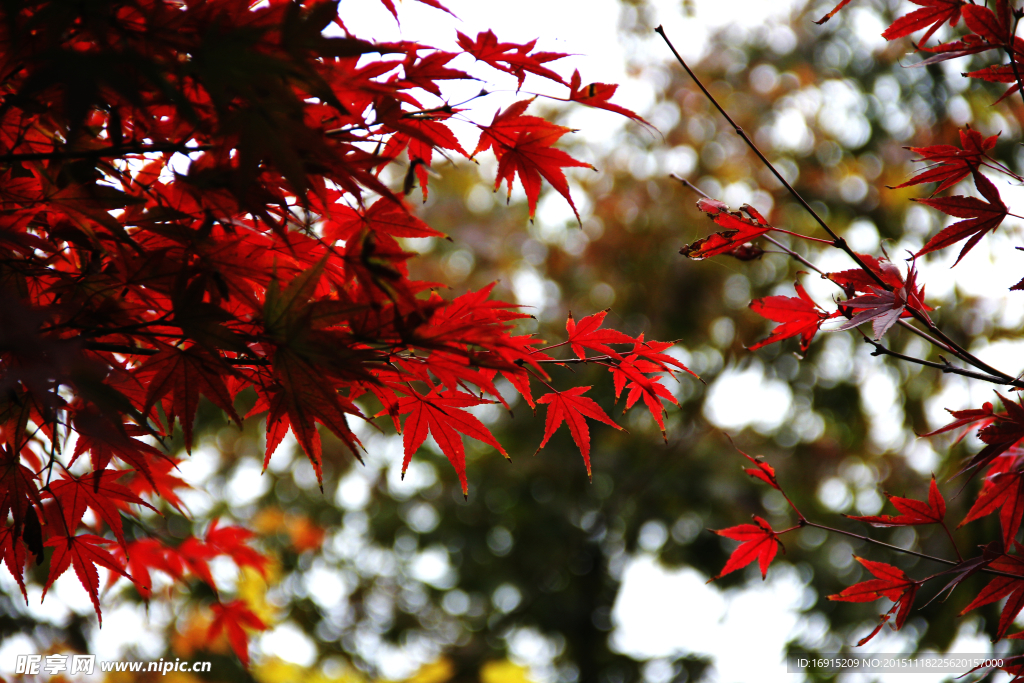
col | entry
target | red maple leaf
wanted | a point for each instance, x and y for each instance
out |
(586, 334)
(523, 145)
(184, 374)
(963, 418)
(572, 407)
(233, 619)
(1002, 492)
(441, 414)
(383, 216)
(799, 315)
(100, 492)
(950, 164)
(932, 15)
(891, 583)
(982, 217)
(15, 555)
(912, 512)
(741, 227)
(84, 552)
(1001, 587)
(511, 58)
(884, 307)
(145, 556)
(598, 95)
(992, 26)
(1001, 432)
(835, 10)
(759, 543)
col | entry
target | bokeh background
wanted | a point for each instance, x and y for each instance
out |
(542, 575)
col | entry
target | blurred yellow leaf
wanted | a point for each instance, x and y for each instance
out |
(440, 671)
(503, 672)
(279, 671)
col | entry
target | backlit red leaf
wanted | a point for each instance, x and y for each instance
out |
(572, 407)
(799, 316)
(523, 145)
(759, 543)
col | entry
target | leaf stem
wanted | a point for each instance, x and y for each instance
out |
(803, 237)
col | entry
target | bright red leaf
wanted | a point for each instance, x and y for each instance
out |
(982, 217)
(586, 334)
(512, 58)
(932, 15)
(1003, 493)
(572, 407)
(442, 415)
(891, 583)
(233, 619)
(523, 145)
(950, 165)
(912, 512)
(759, 543)
(799, 316)
(85, 553)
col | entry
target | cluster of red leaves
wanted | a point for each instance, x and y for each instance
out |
(878, 292)
(193, 206)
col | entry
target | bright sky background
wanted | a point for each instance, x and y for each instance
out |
(660, 613)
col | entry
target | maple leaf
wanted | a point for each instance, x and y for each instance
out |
(912, 512)
(84, 552)
(233, 619)
(964, 418)
(424, 72)
(951, 165)
(441, 414)
(598, 95)
(1001, 432)
(982, 217)
(184, 374)
(741, 227)
(884, 307)
(523, 145)
(759, 543)
(1001, 587)
(99, 492)
(511, 57)
(15, 556)
(891, 583)
(572, 407)
(992, 26)
(144, 556)
(833, 12)
(932, 15)
(799, 315)
(586, 335)
(383, 216)
(1003, 493)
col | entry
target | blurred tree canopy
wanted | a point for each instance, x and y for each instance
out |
(379, 575)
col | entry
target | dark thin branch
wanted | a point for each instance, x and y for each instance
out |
(907, 551)
(837, 241)
(945, 366)
(106, 152)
